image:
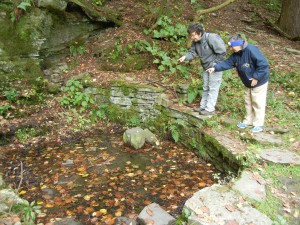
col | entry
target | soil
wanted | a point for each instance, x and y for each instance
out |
(239, 17)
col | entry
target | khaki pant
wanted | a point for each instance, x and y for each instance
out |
(255, 103)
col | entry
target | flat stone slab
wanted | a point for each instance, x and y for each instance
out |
(153, 214)
(251, 186)
(280, 156)
(267, 138)
(219, 205)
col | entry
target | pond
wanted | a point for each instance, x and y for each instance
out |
(98, 178)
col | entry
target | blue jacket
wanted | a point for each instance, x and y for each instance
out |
(249, 63)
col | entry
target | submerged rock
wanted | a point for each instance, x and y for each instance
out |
(134, 137)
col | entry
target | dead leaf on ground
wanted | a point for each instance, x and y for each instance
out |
(230, 208)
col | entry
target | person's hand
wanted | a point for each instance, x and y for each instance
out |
(253, 82)
(181, 59)
(210, 70)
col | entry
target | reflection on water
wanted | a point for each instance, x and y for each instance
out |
(100, 178)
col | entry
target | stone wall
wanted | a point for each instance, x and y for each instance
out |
(152, 103)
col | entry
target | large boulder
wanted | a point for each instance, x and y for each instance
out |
(134, 137)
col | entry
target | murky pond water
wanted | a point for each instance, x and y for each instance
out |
(99, 178)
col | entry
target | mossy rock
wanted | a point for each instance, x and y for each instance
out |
(54, 88)
(101, 14)
(135, 62)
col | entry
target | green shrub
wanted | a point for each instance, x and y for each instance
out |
(28, 212)
(25, 134)
(75, 96)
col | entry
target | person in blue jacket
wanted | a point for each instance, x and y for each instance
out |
(253, 69)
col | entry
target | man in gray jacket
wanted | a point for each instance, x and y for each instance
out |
(210, 48)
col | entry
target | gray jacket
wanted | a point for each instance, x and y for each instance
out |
(210, 49)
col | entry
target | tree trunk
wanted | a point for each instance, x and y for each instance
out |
(289, 20)
(199, 13)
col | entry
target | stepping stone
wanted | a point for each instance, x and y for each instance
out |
(266, 138)
(251, 186)
(280, 156)
(153, 214)
(217, 205)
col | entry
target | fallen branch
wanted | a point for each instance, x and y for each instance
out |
(199, 13)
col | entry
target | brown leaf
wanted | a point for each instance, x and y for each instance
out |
(230, 208)
(147, 202)
(149, 222)
(231, 222)
(204, 209)
(149, 212)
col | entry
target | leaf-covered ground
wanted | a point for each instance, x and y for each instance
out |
(98, 178)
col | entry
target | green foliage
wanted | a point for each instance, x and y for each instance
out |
(287, 80)
(183, 218)
(134, 121)
(24, 5)
(166, 60)
(115, 54)
(247, 158)
(273, 5)
(168, 50)
(11, 94)
(99, 113)
(212, 122)
(80, 122)
(194, 89)
(77, 48)
(28, 211)
(155, 9)
(174, 126)
(272, 207)
(98, 2)
(231, 95)
(4, 109)
(175, 33)
(25, 134)
(75, 96)
(280, 220)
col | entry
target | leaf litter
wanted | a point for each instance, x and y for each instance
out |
(105, 179)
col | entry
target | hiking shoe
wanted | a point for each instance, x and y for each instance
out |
(199, 109)
(256, 129)
(242, 125)
(206, 113)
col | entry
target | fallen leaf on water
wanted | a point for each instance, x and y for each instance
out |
(48, 205)
(22, 192)
(103, 211)
(83, 174)
(147, 202)
(118, 214)
(89, 210)
(87, 197)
